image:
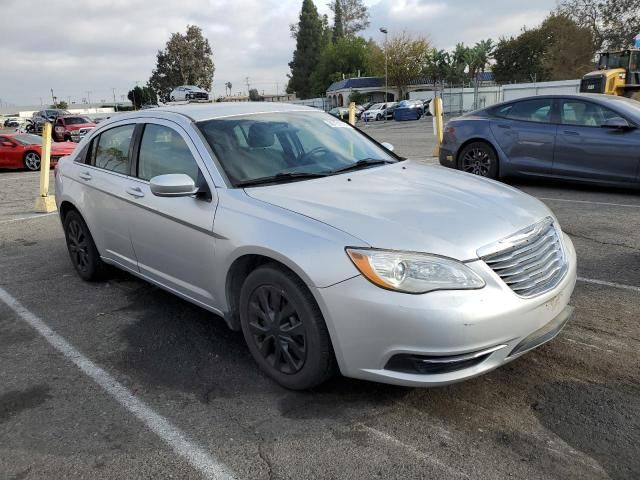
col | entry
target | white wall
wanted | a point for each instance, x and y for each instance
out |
(519, 90)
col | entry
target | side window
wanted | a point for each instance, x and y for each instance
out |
(532, 111)
(502, 111)
(584, 114)
(163, 151)
(112, 149)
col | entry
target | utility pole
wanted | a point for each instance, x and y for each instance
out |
(114, 98)
(386, 71)
(248, 85)
(89, 97)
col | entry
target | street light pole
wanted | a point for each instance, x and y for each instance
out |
(386, 71)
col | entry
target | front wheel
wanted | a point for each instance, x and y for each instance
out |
(32, 161)
(284, 329)
(480, 159)
(378, 117)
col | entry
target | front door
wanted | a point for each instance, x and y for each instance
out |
(526, 134)
(173, 237)
(586, 150)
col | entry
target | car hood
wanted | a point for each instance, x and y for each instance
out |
(81, 125)
(63, 147)
(411, 206)
(374, 111)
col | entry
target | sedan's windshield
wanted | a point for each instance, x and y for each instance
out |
(277, 145)
(28, 139)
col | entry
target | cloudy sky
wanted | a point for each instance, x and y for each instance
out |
(100, 45)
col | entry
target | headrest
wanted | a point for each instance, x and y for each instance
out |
(260, 136)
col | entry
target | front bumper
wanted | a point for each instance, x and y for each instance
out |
(372, 328)
(447, 157)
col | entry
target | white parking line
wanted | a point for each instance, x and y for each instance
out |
(30, 217)
(172, 436)
(622, 286)
(627, 205)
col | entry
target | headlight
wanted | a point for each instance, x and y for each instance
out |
(413, 272)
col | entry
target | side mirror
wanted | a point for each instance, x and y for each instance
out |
(7, 144)
(388, 146)
(173, 185)
(618, 123)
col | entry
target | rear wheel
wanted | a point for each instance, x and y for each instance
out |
(82, 250)
(284, 328)
(479, 159)
(32, 161)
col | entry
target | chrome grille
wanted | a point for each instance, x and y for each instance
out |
(531, 261)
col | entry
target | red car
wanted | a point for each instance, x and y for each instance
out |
(23, 150)
(66, 127)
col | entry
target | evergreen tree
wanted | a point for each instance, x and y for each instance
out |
(338, 28)
(309, 42)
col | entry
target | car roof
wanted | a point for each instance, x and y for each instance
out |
(209, 111)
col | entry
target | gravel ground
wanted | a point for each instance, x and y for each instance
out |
(570, 409)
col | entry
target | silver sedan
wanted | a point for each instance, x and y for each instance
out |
(326, 250)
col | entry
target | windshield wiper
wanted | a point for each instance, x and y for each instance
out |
(367, 162)
(280, 177)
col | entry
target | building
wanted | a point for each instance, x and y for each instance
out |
(281, 97)
(374, 88)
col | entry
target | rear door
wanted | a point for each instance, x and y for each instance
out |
(103, 182)
(173, 237)
(526, 133)
(587, 150)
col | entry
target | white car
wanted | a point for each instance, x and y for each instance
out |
(376, 112)
(188, 92)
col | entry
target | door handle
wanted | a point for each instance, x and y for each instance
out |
(85, 176)
(569, 132)
(506, 127)
(135, 192)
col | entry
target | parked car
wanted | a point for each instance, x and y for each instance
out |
(340, 112)
(71, 127)
(323, 247)
(25, 150)
(408, 110)
(389, 109)
(376, 112)
(582, 137)
(42, 116)
(13, 122)
(188, 92)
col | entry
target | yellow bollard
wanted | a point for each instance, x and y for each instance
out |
(438, 123)
(352, 113)
(45, 203)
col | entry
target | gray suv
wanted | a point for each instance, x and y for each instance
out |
(326, 250)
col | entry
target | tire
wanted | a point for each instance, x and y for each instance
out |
(308, 359)
(82, 249)
(378, 117)
(173, 99)
(480, 159)
(31, 161)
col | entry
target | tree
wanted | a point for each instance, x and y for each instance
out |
(612, 23)
(354, 15)
(570, 48)
(140, 96)
(62, 105)
(407, 59)
(309, 41)
(348, 57)
(186, 60)
(338, 28)
(357, 97)
(254, 96)
(521, 58)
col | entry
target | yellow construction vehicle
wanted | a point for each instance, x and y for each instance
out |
(618, 74)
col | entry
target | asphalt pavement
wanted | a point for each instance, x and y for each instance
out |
(122, 380)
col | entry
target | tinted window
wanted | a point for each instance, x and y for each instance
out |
(164, 151)
(531, 111)
(584, 114)
(112, 152)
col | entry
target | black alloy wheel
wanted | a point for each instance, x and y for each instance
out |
(284, 328)
(479, 159)
(82, 249)
(277, 330)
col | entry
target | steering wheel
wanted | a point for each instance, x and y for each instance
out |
(314, 152)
